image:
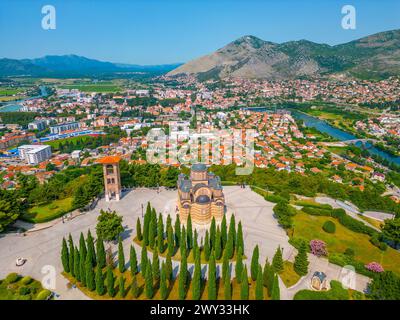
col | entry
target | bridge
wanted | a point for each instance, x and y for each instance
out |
(363, 141)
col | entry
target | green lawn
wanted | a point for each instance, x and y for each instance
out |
(288, 275)
(9, 92)
(310, 227)
(102, 88)
(48, 211)
(56, 143)
(19, 288)
(337, 292)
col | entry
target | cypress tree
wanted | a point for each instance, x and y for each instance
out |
(182, 279)
(70, 250)
(196, 284)
(110, 282)
(212, 278)
(121, 256)
(275, 295)
(170, 240)
(244, 285)
(77, 260)
(177, 231)
(229, 246)
(225, 266)
(156, 265)
(139, 234)
(148, 285)
(239, 266)
(259, 285)
(268, 276)
(100, 289)
(143, 260)
(134, 287)
(90, 248)
(163, 283)
(133, 261)
(82, 247)
(195, 241)
(239, 238)
(217, 245)
(101, 254)
(254, 263)
(146, 224)
(65, 255)
(152, 234)
(301, 260)
(182, 246)
(121, 286)
(227, 287)
(160, 234)
(277, 261)
(168, 267)
(189, 232)
(90, 278)
(70, 242)
(206, 247)
(154, 219)
(232, 233)
(224, 232)
(213, 231)
(82, 269)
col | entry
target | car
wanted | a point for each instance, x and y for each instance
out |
(20, 261)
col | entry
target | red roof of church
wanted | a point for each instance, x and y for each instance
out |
(110, 159)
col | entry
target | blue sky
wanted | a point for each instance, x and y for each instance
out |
(169, 31)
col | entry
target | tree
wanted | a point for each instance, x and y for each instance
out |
(275, 295)
(170, 240)
(163, 283)
(121, 256)
(239, 238)
(101, 254)
(213, 231)
(143, 260)
(232, 232)
(168, 267)
(218, 249)
(301, 260)
(82, 248)
(239, 266)
(177, 231)
(227, 287)
(148, 285)
(229, 246)
(277, 261)
(156, 265)
(259, 285)
(100, 289)
(90, 278)
(65, 256)
(109, 225)
(134, 287)
(254, 263)
(385, 286)
(268, 276)
(206, 247)
(110, 282)
(77, 264)
(244, 285)
(391, 231)
(152, 234)
(146, 225)
(224, 232)
(212, 278)
(196, 283)
(182, 245)
(139, 235)
(189, 232)
(225, 266)
(133, 261)
(160, 234)
(182, 278)
(121, 286)
(90, 248)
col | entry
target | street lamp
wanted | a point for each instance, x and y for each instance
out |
(142, 210)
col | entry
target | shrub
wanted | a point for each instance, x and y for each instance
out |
(26, 280)
(374, 267)
(349, 252)
(383, 246)
(317, 211)
(318, 247)
(274, 198)
(329, 227)
(337, 213)
(43, 295)
(11, 278)
(24, 291)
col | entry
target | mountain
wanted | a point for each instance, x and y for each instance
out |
(376, 56)
(73, 65)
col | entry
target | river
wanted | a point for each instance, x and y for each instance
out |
(16, 105)
(336, 133)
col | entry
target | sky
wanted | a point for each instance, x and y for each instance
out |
(172, 31)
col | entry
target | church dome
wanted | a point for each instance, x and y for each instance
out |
(203, 199)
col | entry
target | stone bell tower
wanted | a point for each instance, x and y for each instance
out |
(112, 178)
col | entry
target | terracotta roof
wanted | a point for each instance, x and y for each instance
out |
(109, 159)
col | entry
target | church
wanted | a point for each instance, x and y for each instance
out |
(201, 196)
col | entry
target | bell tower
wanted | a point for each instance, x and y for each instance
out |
(112, 178)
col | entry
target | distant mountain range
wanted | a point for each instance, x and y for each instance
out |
(73, 65)
(373, 57)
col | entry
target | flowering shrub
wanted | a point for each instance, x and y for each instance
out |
(318, 247)
(374, 267)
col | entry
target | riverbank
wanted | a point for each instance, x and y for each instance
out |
(18, 104)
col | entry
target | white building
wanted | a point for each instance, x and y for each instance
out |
(34, 154)
(64, 127)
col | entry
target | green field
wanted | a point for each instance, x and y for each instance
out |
(101, 88)
(9, 92)
(47, 212)
(56, 143)
(310, 227)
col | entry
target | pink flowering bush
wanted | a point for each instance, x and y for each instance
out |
(374, 267)
(318, 247)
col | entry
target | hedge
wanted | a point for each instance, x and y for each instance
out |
(329, 227)
(336, 292)
(11, 278)
(345, 260)
(317, 211)
(43, 295)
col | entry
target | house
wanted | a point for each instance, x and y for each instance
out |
(337, 179)
(319, 281)
(378, 176)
